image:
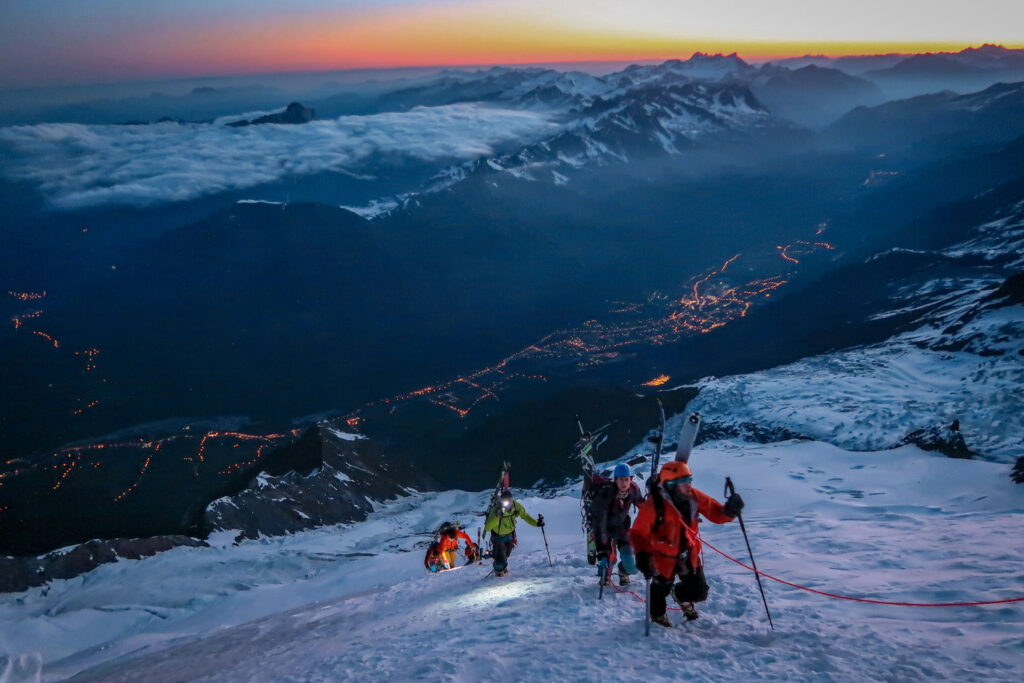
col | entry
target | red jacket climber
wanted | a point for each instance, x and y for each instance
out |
(665, 539)
(442, 553)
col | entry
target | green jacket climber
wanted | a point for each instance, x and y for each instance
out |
(501, 520)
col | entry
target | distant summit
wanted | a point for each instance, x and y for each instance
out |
(294, 113)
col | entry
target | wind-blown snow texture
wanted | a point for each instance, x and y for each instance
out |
(347, 601)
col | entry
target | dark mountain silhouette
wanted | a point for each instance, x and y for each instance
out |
(813, 95)
(294, 113)
(996, 113)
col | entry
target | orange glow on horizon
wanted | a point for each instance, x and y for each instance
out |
(422, 37)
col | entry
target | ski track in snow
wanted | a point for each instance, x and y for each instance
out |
(353, 600)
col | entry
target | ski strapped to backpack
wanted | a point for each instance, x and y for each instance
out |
(684, 447)
(584, 451)
(503, 484)
(687, 437)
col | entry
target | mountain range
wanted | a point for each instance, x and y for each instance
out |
(687, 220)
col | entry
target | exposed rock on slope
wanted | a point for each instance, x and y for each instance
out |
(294, 113)
(326, 477)
(21, 573)
(946, 440)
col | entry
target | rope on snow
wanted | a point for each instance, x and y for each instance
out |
(854, 599)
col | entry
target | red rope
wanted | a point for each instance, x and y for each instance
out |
(639, 597)
(874, 602)
(634, 594)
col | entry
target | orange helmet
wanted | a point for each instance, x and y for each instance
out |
(674, 469)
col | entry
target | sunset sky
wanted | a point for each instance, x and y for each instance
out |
(60, 42)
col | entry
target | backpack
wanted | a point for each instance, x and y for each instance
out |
(592, 490)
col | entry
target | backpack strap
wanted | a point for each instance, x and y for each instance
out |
(659, 508)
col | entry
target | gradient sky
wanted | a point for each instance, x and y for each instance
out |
(60, 42)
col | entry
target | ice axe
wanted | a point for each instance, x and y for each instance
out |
(729, 491)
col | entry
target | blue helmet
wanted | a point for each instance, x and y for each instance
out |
(622, 470)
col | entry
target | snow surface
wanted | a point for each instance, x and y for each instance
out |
(260, 201)
(870, 398)
(354, 600)
(375, 209)
(345, 436)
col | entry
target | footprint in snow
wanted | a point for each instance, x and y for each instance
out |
(735, 609)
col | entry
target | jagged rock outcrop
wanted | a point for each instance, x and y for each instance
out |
(22, 573)
(1010, 293)
(294, 113)
(946, 440)
(327, 476)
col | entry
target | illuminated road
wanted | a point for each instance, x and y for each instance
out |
(709, 301)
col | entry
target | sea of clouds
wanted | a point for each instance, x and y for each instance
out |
(78, 166)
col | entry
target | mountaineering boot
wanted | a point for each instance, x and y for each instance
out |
(689, 609)
(662, 621)
(623, 578)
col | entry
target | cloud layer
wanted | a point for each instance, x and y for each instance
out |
(77, 166)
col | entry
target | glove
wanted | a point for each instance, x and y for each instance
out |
(540, 520)
(643, 563)
(734, 505)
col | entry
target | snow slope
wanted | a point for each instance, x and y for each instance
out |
(340, 602)
(965, 361)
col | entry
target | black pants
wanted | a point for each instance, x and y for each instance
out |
(692, 587)
(501, 548)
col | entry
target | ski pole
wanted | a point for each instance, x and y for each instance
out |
(603, 572)
(647, 609)
(545, 535)
(729, 491)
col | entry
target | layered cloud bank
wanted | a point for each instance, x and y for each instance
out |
(78, 166)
